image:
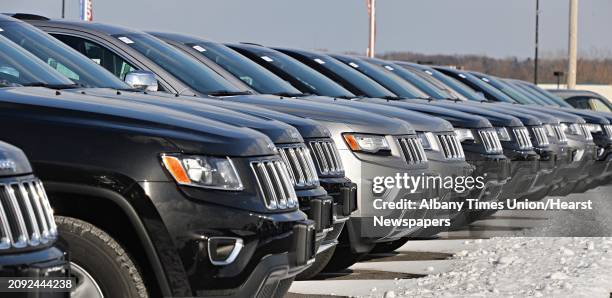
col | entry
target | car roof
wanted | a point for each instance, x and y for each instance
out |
(85, 26)
(573, 93)
(178, 37)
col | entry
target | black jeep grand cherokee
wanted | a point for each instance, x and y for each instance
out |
(153, 201)
(28, 233)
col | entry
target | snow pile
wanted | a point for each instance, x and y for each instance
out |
(539, 267)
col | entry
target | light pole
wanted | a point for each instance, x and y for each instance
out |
(537, 33)
(63, 9)
(573, 44)
(372, 34)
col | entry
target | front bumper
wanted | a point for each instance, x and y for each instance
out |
(276, 246)
(344, 194)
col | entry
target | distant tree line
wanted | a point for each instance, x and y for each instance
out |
(594, 67)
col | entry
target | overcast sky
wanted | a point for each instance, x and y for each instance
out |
(492, 27)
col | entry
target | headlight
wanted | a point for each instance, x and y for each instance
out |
(367, 143)
(572, 129)
(502, 134)
(594, 128)
(203, 171)
(549, 130)
(428, 140)
(464, 134)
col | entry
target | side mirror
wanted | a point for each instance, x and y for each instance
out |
(142, 79)
(481, 95)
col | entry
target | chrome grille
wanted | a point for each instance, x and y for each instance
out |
(490, 140)
(522, 138)
(559, 133)
(300, 165)
(413, 150)
(586, 132)
(540, 136)
(451, 147)
(608, 130)
(274, 184)
(327, 158)
(26, 217)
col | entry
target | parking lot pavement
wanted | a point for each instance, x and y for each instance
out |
(419, 264)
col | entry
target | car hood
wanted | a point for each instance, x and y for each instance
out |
(494, 115)
(456, 118)
(13, 161)
(350, 118)
(419, 121)
(277, 131)
(587, 115)
(189, 133)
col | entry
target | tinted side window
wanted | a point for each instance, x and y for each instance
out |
(107, 59)
(579, 103)
(599, 105)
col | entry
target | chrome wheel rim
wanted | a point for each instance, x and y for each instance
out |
(86, 286)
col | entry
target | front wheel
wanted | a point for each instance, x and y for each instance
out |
(101, 267)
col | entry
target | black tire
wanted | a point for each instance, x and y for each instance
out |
(387, 247)
(342, 258)
(102, 258)
(319, 264)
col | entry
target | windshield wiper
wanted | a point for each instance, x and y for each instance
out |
(228, 93)
(289, 94)
(392, 97)
(345, 97)
(52, 86)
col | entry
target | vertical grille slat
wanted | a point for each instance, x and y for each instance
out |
(522, 138)
(540, 136)
(299, 164)
(586, 131)
(451, 147)
(608, 130)
(559, 133)
(26, 217)
(413, 150)
(274, 184)
(326, 158)
(490, 140)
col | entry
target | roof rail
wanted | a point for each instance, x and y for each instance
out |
(27, 16)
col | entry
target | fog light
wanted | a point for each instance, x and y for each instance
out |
(224, 250)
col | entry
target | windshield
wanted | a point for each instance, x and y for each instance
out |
(366, 85)
(487, 89)
(509, 91)
(18, 67)
(552, 97)
(60, 57)
(253, 74)
(450, 92)
(423, 86)
(313, 81)
(533, 96)
(188, 70)
(387, 79)
(452, 83)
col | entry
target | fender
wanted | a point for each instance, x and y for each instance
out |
(138, 225)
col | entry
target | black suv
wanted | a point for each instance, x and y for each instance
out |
(28, 232)
(309, 180)
(153, 201)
